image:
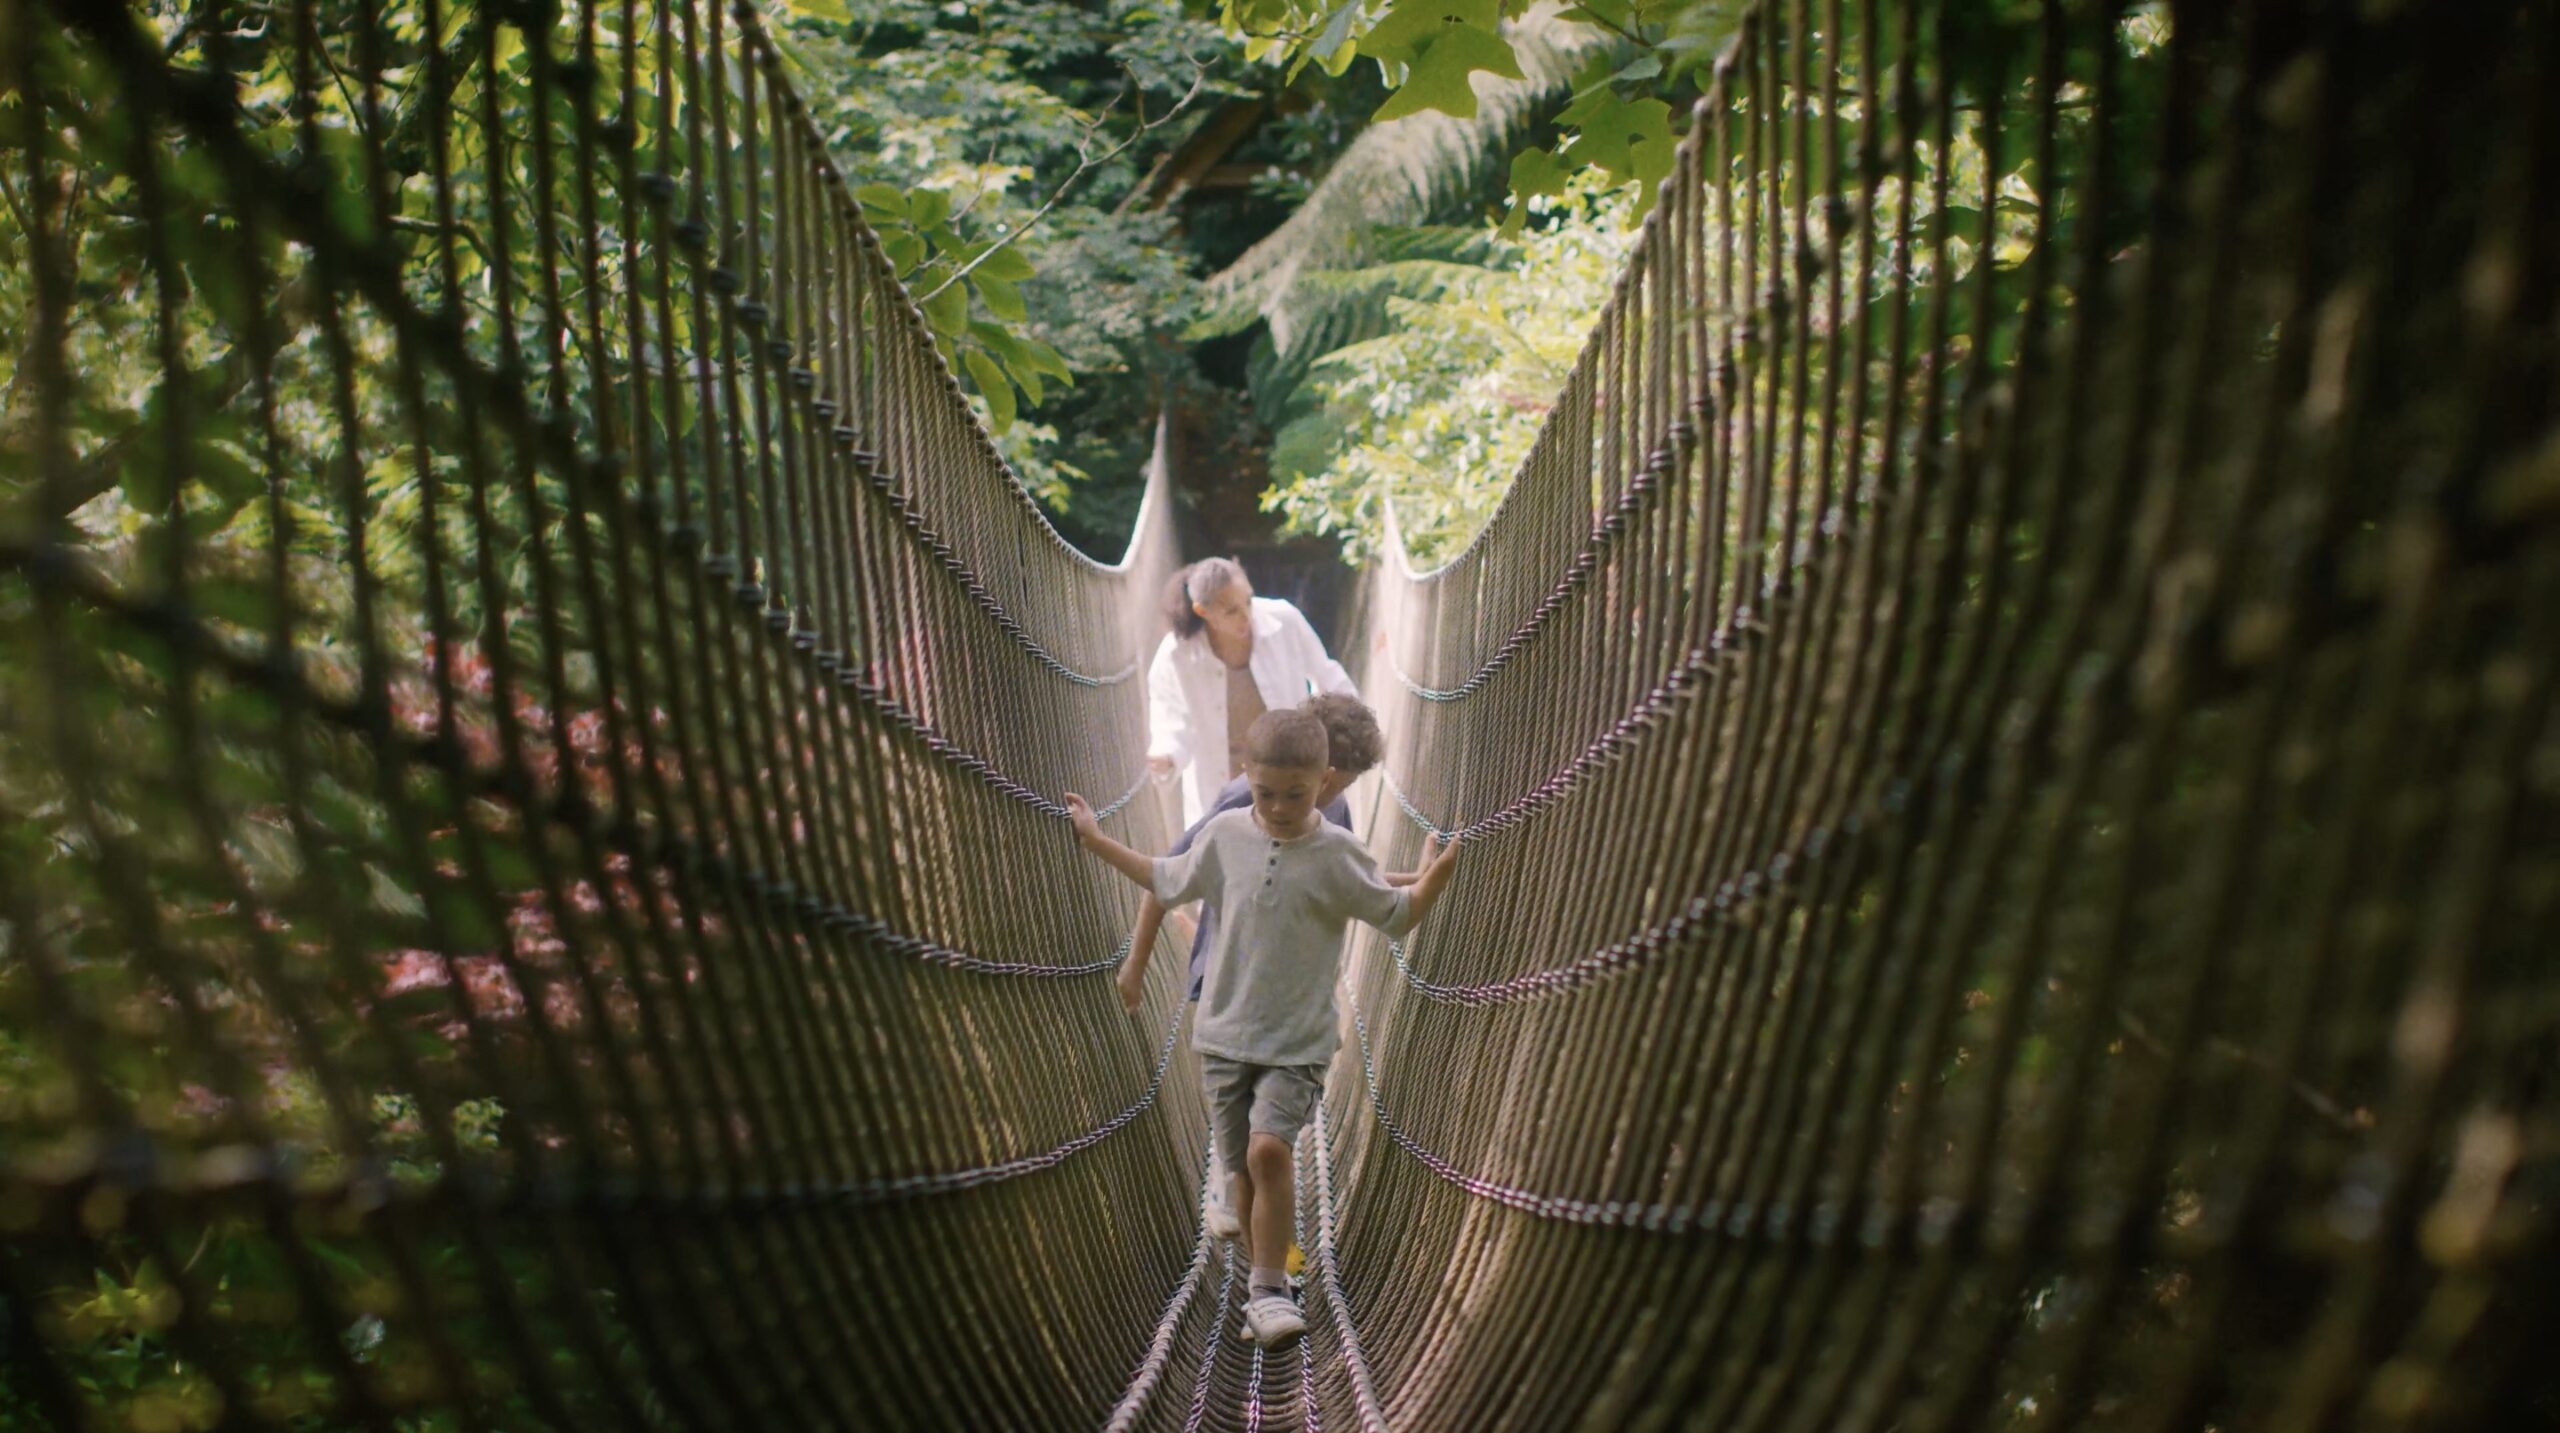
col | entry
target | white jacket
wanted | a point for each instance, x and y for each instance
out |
(1187, 694)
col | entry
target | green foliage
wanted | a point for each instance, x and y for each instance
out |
(1438, 46)
(1434, 415)
(990, 147)
(1642, 58)
(1432, 406)
(1395, 179)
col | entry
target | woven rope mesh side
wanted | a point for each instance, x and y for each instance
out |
(2003, 741)
(535, 895)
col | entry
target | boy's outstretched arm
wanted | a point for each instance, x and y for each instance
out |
(1127, 862)
(1434, 878)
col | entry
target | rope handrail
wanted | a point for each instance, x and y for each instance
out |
(914, 1186)
(1937, 1225)
(758, 43)
(1622, 515)
(1151, 1367)
(1316, 1148)
(127, 1161)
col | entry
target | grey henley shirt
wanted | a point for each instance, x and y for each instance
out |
(1283, 908)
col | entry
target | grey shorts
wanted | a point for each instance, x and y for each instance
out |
(1246, 1100)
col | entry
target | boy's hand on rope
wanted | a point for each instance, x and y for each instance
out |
(1432, 852)
(1436, 851)
(1437, 867)
(1132, 983)
(1080, 815)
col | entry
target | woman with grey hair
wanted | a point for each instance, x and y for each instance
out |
(1229, 657)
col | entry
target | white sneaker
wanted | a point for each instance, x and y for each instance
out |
(1223, 1223)
(1272, 1320)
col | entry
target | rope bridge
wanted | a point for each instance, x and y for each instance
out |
(2003, 738)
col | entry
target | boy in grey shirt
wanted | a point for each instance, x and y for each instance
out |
(1287, 885)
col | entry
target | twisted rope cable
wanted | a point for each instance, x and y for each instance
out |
(1150, 1370)
(913, 1186)
(1315, 1148)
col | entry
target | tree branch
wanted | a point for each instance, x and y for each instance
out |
(17, 210)
(2311, 1096)
(1182, 167)
(407, 225)
(977, 192)
(1086, 162)
(355, 111)
(67, 232)
(223, 383)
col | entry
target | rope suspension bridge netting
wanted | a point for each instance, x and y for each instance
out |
(535, 893)
(2003, 740)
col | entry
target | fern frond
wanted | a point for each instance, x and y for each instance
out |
(1339, 307)
(1399, 174)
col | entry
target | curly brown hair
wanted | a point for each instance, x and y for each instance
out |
(1350, 731)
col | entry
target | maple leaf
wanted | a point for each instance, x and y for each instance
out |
(1439, 77)
(1629, 139)
(1400, 37)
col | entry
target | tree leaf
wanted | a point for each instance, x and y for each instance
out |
(993, 386)
(1440, 77)
(887, 198)
(1538, 171)
(1013, 353)
(1029, 381)
(1533, 172)
(998, 340)
(229, 472)
(390, 895)
(1591, 91)
(1644, 67)
(829, 10)
(1411, 25)
(948, 311)
(1608, 14)
(1611, 133)
(928, 207)
(1003, 300)
(1333, 47)
(903, 248)
(1044, 359)
(1006, 263)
